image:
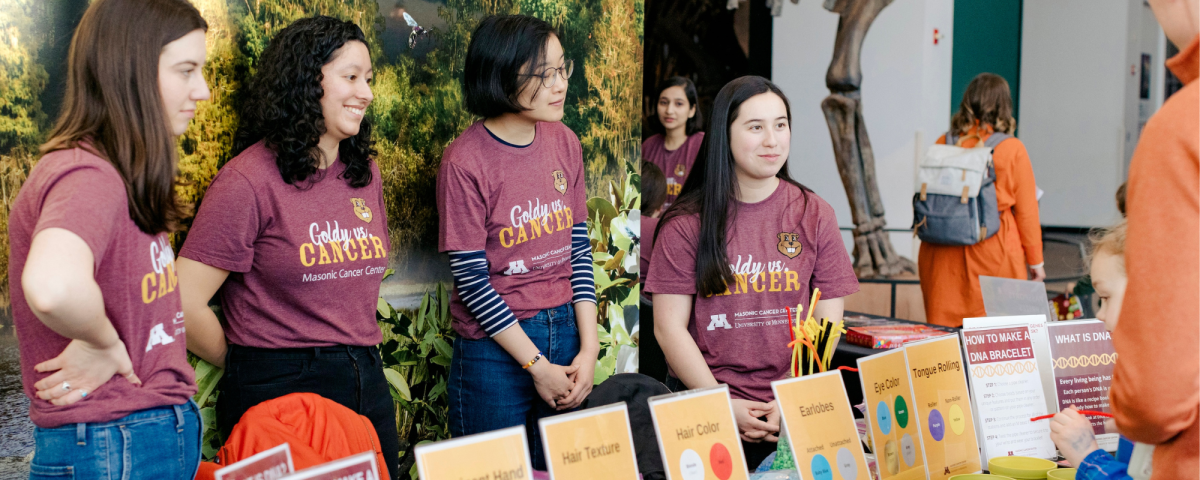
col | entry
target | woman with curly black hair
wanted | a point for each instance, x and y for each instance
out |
(292, 236)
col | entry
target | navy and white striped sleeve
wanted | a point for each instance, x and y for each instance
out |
(470, 271)
(583, 281)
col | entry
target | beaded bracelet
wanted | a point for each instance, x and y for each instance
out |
(531, 362)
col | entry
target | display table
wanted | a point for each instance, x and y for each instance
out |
(847, 355)
(653, 363)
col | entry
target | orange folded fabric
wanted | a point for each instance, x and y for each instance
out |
(317, 429)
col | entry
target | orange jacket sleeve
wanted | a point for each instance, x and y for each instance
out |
(1156, 382)
(1016, 171)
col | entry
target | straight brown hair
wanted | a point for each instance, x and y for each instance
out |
(988, 101)
(113, 106)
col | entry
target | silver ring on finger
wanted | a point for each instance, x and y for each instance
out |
(83, 393)
(66, 387)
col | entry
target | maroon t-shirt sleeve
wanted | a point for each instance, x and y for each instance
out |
(833, 272)
(674, 270)
(648, 224)
(461, 207)
(87, 202)
(579, 188)
(227, 225)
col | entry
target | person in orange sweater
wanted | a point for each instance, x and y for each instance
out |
(950, 273)
(1155, 391)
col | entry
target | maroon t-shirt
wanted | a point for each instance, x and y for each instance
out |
(779, 250)
(649, 224)
(518, 205)
(80, 192)
(675, 164)
(304, 261)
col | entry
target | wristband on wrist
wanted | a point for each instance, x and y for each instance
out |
(531, 362)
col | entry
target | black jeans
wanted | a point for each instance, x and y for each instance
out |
(350, 376)
(755, 452)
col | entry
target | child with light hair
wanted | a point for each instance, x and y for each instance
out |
(1071, 432)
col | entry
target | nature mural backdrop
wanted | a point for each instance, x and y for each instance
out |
(418, 109)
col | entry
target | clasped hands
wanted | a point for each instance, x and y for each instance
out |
(749, 417)
(564, 387)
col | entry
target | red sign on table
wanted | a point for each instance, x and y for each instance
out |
(356, 467)
(270, 464)
(998, 345)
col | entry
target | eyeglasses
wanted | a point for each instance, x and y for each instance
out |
(550, 75)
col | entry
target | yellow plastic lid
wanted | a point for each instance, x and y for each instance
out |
(979, 476)
(1061, 474)
(1021, 468)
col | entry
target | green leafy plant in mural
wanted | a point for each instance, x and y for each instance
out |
(22, 78)
(612, 226)
(207, 377)
(23, 124)
(416, 354)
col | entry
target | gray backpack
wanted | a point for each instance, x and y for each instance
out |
(955, 199)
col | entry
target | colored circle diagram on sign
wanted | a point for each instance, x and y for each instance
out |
(937, 425)
(846, 464)
(722, 463)
(901, 412)
(691, 466)
(891, 457)
(908, 449)
(820, 468)
(884, 416)
(957, 420)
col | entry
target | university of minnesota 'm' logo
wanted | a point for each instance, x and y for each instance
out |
(679, 170)
(361, 210)
(560, 181)
(789, 244)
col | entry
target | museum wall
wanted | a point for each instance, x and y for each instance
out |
(1081, 109)
(905, 92)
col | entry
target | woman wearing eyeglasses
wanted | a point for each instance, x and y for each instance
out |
(512, 201)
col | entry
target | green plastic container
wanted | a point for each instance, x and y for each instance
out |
(1021, 468)
(1061, 474)
(979, 476)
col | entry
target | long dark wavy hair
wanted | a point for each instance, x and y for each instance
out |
(113, 104)
(711, 190)
(282, 104)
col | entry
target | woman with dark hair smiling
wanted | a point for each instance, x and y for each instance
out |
(674, 151)
(743, 242)
(93, 276)
(513, 206)
(292, 234)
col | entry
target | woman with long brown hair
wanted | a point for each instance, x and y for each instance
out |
(744, 240)
(950, 273)
(97, 311)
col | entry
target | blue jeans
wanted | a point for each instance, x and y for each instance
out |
(155, 443)
(489, 390)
